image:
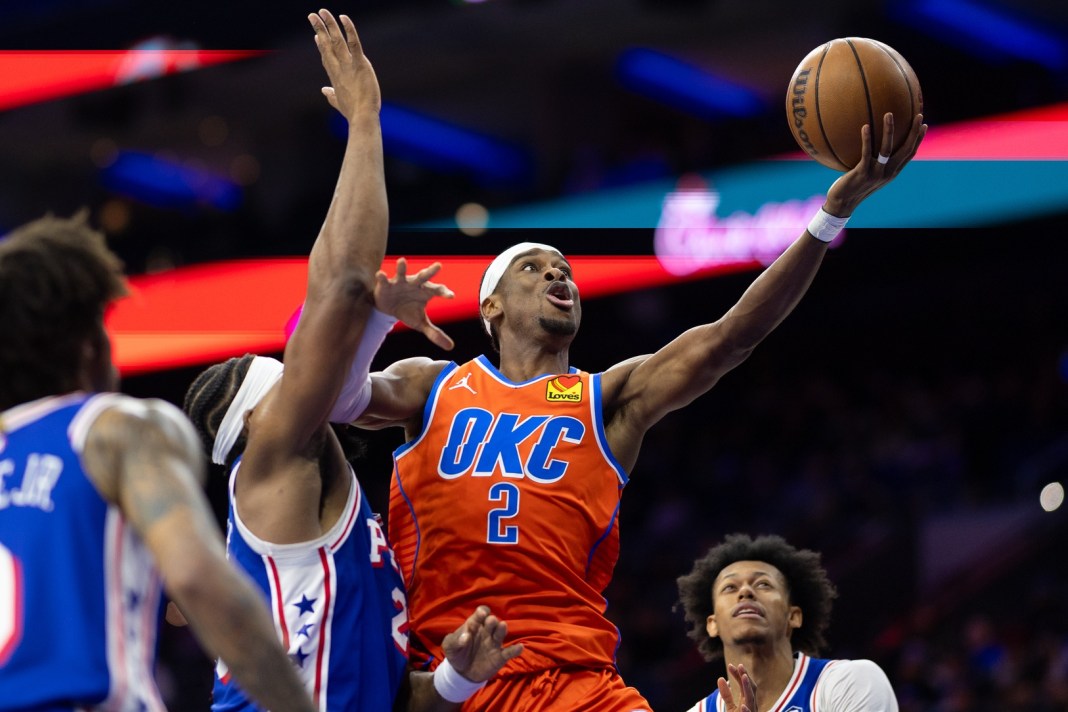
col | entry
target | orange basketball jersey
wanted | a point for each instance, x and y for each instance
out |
(509, 497)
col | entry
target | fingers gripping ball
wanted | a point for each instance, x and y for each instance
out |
(842, 85)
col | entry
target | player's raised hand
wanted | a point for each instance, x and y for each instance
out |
(354, 85)
(476, 649)
(871, 173)
(405, 298)
(744, 684)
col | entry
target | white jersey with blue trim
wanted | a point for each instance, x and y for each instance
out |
(821, 685)
(80, 597)
(338, 606)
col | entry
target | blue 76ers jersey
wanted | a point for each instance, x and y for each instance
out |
(798, 696)
(338, 606)
(80, 599)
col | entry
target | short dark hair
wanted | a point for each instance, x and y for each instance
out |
(210, 395)
(57, 277)
(806, 580)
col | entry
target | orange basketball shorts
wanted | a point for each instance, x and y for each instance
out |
(558, 690)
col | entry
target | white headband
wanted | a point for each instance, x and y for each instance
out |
(262, 374)
(497, 268)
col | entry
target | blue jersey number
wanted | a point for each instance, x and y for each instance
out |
(497, 532)
(11, 611)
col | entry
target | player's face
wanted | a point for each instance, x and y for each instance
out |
(751, 605)
(539, 295)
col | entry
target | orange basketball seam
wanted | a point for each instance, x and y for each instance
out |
(819, 113)
(867, 92)
(904, 75)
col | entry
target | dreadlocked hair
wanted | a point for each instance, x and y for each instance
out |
(807, 586)
(210, 395)
(57, 277)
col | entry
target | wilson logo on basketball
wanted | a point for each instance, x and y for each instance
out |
(564, 388)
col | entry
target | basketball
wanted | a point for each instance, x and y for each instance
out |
(842, 85)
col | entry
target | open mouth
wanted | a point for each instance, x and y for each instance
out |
(748, 612)
(559, 294)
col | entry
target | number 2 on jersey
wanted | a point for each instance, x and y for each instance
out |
(497, 532)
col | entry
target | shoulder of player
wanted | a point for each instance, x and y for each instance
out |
(854, 673)
(121, 413)
(126, 426)
(614, 380)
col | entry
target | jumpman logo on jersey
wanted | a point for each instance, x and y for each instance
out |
(462, 383)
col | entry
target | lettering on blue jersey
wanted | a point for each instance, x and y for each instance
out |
(400, 621)
(38, 480)
(379, 545)
(481, 445)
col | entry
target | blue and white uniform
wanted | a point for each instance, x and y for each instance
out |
(338, 606)
(820, 685)
(80, 598)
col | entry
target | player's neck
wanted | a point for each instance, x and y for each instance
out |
(523, 364)
(770, 668)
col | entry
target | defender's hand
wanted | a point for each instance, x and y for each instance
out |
(354, 86)
(405, 298)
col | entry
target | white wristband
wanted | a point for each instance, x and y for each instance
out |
(825, 227)
(453, 686)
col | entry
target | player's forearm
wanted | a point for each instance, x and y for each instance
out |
(773, 295)
(231, 621)
(353, 235)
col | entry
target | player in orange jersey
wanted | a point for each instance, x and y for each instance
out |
(508, 488)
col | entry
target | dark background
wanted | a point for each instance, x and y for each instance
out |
(902, 421)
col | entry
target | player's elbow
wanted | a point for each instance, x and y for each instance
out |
(350, 288)
(355, 284)
(209, 588)
(727, 348)
(190, 586)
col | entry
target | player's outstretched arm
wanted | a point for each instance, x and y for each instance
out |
(145, 456)
(691, 364)
(347, 253)
(474, 653)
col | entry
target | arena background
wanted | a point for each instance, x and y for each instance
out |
(904, 421)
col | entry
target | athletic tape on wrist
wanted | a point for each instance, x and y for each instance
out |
(453, 686)
(825, 227)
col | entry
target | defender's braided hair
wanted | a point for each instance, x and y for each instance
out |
(806, 580)
(57, 277)
(212, 392)
(208, 397)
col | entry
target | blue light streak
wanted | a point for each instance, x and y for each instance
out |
(671, 81)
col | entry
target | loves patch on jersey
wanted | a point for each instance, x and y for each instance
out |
(564, 388)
